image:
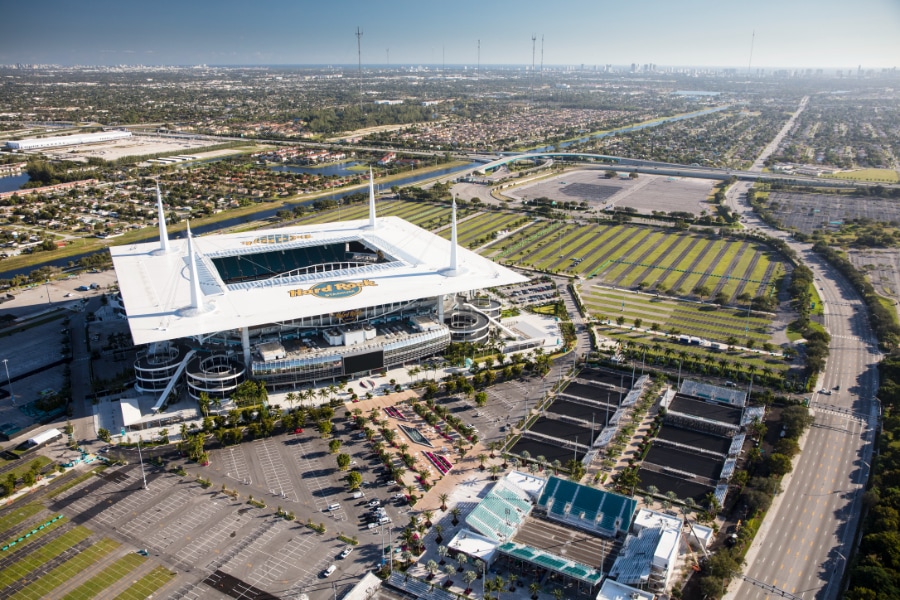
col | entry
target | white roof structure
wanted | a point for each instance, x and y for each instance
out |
(613, 590)
(44, 436)
(156, 286)
(474, 545)
(650, 518)
(67, 140)
(528, 483)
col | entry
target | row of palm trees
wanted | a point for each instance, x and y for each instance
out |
(711, 362)
(309, 394)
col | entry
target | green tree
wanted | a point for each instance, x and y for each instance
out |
(343, 461)
(354, 480)
(104, 435)
(334, 445)
(779, 464)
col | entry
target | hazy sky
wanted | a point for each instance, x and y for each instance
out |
(808, 33)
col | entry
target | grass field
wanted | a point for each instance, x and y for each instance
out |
(12, 549)
(26, 564)
(718, 362)
(477, 230)
(663, 314)
(882, 175)
(94, 586)
(675, 263)
(43, 585)
(73, 481)
(146, 585)
(25, 465)
(16, 516)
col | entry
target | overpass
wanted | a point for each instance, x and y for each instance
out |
(662, 168)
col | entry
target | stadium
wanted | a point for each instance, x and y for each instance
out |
(299, 305)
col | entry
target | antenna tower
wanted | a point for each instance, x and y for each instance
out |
(359, 35)
(542, 58)
(478, 68)
(750, 62)
(533, 40)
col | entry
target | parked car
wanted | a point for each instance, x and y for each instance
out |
(328, 572)
(346, 551)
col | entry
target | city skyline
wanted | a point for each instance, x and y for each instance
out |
(699, 33)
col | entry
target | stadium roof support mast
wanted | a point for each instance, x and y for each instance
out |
(197, 306)
(371, 200)
(453, 270)
(359, 35)
(163, 233)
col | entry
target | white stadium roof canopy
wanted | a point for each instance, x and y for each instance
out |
(156, 286)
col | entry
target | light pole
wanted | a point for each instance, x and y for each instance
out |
(12, 396)
(141, 457)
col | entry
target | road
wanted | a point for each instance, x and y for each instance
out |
(802, 546)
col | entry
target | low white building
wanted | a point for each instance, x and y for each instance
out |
(67, 140)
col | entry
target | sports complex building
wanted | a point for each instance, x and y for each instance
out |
(67, 140)
(585, 540)
(299, 305)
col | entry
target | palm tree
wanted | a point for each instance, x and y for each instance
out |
(541, 459)
(439, 533)
(493, 447)
(406, 555)
(443, 552)
(494, 470)
(461, 559)
(469, 577)
(291, 398)
(443, 498)
(323, 394)
(482, 458)
(558, 594)
(449, 571)
(512, 581)
(455, 512)
(499, 584)
(534, 588)
(532, 468)
(514, 461)
(428, 514)
(556, 465)
(432, 568)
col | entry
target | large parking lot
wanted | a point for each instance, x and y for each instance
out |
(646, 193)
(808, 212)
(216, 543)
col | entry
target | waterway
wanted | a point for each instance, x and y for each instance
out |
(13, 182)
(629, 128)
(256, 216)
(340, 169)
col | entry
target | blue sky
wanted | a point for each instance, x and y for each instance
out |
(789, 33)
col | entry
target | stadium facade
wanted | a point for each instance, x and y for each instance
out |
(67, 140)
(298, 305)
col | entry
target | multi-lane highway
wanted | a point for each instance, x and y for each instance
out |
(802, 547)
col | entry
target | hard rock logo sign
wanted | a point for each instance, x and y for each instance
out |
(333, 289)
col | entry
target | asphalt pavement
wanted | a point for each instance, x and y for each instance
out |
(802, 547)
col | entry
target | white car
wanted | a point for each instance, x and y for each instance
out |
(346, 551)
(328, 572)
